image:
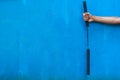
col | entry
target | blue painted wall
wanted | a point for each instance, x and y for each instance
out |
(105, 41)
(46, 40)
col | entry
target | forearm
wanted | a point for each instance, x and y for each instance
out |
(108, 20)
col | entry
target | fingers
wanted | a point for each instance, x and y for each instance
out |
(86, 13)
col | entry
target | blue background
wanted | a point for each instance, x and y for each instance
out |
(46, 40)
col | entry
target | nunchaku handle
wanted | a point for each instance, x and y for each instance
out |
(88, 61)
(85, 10)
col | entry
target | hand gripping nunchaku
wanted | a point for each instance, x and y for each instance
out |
(87, 40)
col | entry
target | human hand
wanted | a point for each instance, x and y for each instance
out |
(88, 17)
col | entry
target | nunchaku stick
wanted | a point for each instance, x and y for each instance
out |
(87, 40)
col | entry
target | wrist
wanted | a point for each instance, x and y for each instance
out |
(93, 18)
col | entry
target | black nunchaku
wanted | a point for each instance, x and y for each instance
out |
(87, 36)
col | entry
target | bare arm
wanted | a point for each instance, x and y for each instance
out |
(108, 20)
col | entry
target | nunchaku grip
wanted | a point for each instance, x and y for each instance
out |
(84, 6)
(85, 10)
(88, 61)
